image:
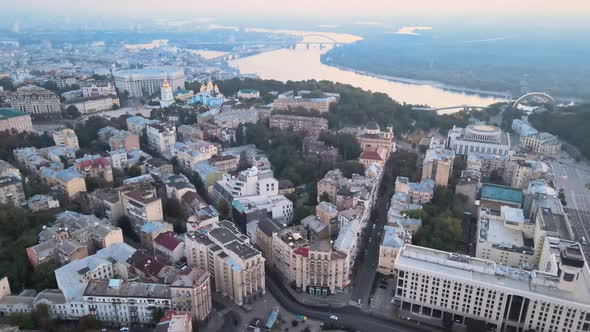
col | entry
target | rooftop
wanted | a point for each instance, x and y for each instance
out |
(484, 272)
(168, 240)
(6, 113)
(109, 288)
(494, 192)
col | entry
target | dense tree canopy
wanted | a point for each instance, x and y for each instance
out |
(570, 124)
(442, 226)
(356, 106)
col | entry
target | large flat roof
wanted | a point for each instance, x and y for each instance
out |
(479, 271)
(494, 192)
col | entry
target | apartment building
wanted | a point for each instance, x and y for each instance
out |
(418, 192)
(169, 246)
(95, 166)
(438, 163)
(69, 181)
(39, 203)
(309, 125)
(250, 182)
(73, 236)
(187, 155)
(225, 164)
(237, 269)
(123, 140)
(161, 137)
(137, 124)
(291, 102)
(66, 137)
(142, 206)
(12, 192)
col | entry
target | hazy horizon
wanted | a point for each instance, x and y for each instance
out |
(554, 14)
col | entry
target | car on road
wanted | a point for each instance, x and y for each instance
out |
(333, 317)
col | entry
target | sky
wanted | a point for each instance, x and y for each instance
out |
(313, 8)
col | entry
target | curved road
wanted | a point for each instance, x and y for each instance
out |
(349, 317)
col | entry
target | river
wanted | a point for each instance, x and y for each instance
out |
(303, 63)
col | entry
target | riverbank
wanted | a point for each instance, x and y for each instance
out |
(443, 86)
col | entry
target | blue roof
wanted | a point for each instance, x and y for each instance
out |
(494, 192)
(68, 174)
(141, 120)
(234, 265)
(203, 168)
(390, 238)
(150, 227)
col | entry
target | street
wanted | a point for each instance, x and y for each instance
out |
(573, 177)
(349, 317)
(368, 259)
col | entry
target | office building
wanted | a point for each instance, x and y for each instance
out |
(147, 81)
(460, 288)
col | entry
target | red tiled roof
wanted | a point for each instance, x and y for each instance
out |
(147, 264)
(170, 314)
(302, 251)
(167, 240)
(94, 163)
(372, 155)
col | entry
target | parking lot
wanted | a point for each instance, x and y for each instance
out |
(574, 178)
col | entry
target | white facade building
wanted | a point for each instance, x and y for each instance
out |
(479, 138)
(455, 287)
(147, 81)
